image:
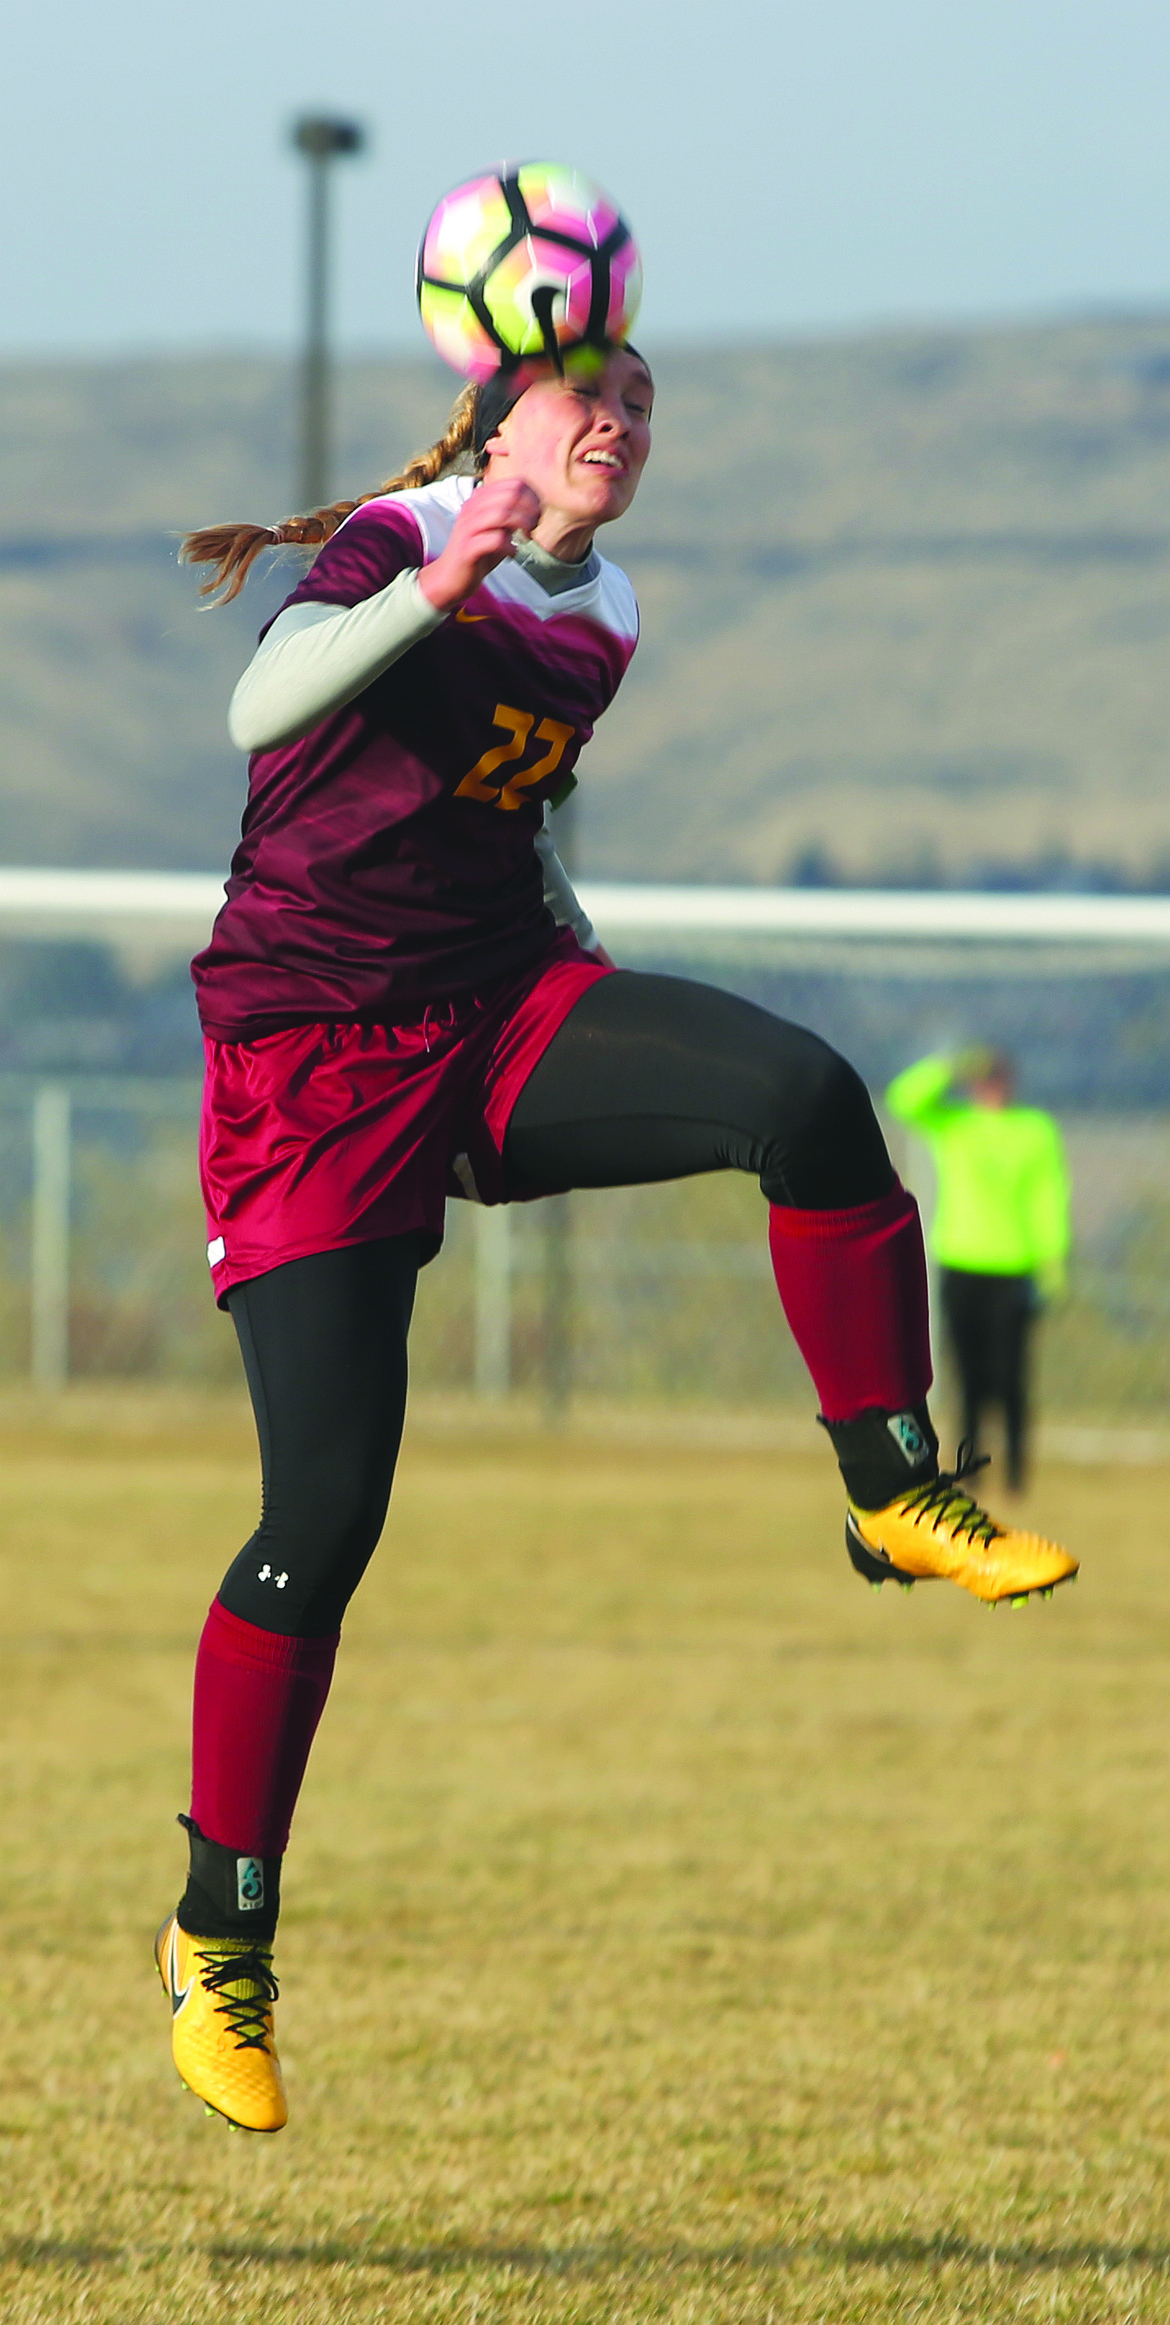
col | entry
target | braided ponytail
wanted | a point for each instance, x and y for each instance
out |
(233, 549)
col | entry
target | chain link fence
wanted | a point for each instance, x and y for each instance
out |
(636, 1294)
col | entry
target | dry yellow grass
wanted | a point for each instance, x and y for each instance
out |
(675, 1929)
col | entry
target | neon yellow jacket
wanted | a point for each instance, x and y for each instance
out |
(1003, 1192)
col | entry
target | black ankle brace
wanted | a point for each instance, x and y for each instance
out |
(228, 1895)
(881, 1454)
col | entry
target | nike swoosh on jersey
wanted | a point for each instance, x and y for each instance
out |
(464, 616)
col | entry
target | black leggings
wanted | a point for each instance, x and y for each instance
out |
(648, 1078)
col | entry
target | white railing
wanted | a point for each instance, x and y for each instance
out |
(116, 905)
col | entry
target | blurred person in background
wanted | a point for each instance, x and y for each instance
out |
(1001, 1232)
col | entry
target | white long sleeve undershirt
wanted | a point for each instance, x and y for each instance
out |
(559, 893)
(316, 658)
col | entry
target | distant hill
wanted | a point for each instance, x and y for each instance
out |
(905, 598)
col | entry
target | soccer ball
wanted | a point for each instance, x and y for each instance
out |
(516, 264)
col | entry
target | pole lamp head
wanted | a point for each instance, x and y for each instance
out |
(320, 137)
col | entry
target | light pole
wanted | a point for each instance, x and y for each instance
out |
(320, 138)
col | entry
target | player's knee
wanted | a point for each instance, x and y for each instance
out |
(827, 1150)
(314, 1541)
(333, 1512)
(818, 1096)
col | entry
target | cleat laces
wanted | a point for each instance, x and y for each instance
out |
(941, 1502)
(247, 2014)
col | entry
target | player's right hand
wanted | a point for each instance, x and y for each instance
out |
(481, 538)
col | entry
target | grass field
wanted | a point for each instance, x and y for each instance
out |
(675, 1929)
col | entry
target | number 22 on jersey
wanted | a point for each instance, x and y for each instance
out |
(517, 725)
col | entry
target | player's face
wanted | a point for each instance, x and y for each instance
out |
(994, 1090)
(581, 443)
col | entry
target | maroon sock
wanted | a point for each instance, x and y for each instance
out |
(853, 1287)
(258, 1698)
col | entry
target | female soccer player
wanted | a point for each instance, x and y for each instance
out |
(392, 1014)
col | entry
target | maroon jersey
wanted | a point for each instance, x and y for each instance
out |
(387, 859)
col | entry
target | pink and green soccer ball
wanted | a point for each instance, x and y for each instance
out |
(493, 242)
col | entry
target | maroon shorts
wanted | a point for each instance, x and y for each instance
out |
(326, 1135)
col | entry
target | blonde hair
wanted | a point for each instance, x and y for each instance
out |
(233, 549)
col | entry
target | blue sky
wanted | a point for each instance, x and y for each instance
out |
(787, 169)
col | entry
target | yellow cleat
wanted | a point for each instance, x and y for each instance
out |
(222, 1991)
(936, 1532)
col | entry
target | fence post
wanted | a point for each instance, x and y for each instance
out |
(557, 1383)
(50, 1235)
(493, 1300)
